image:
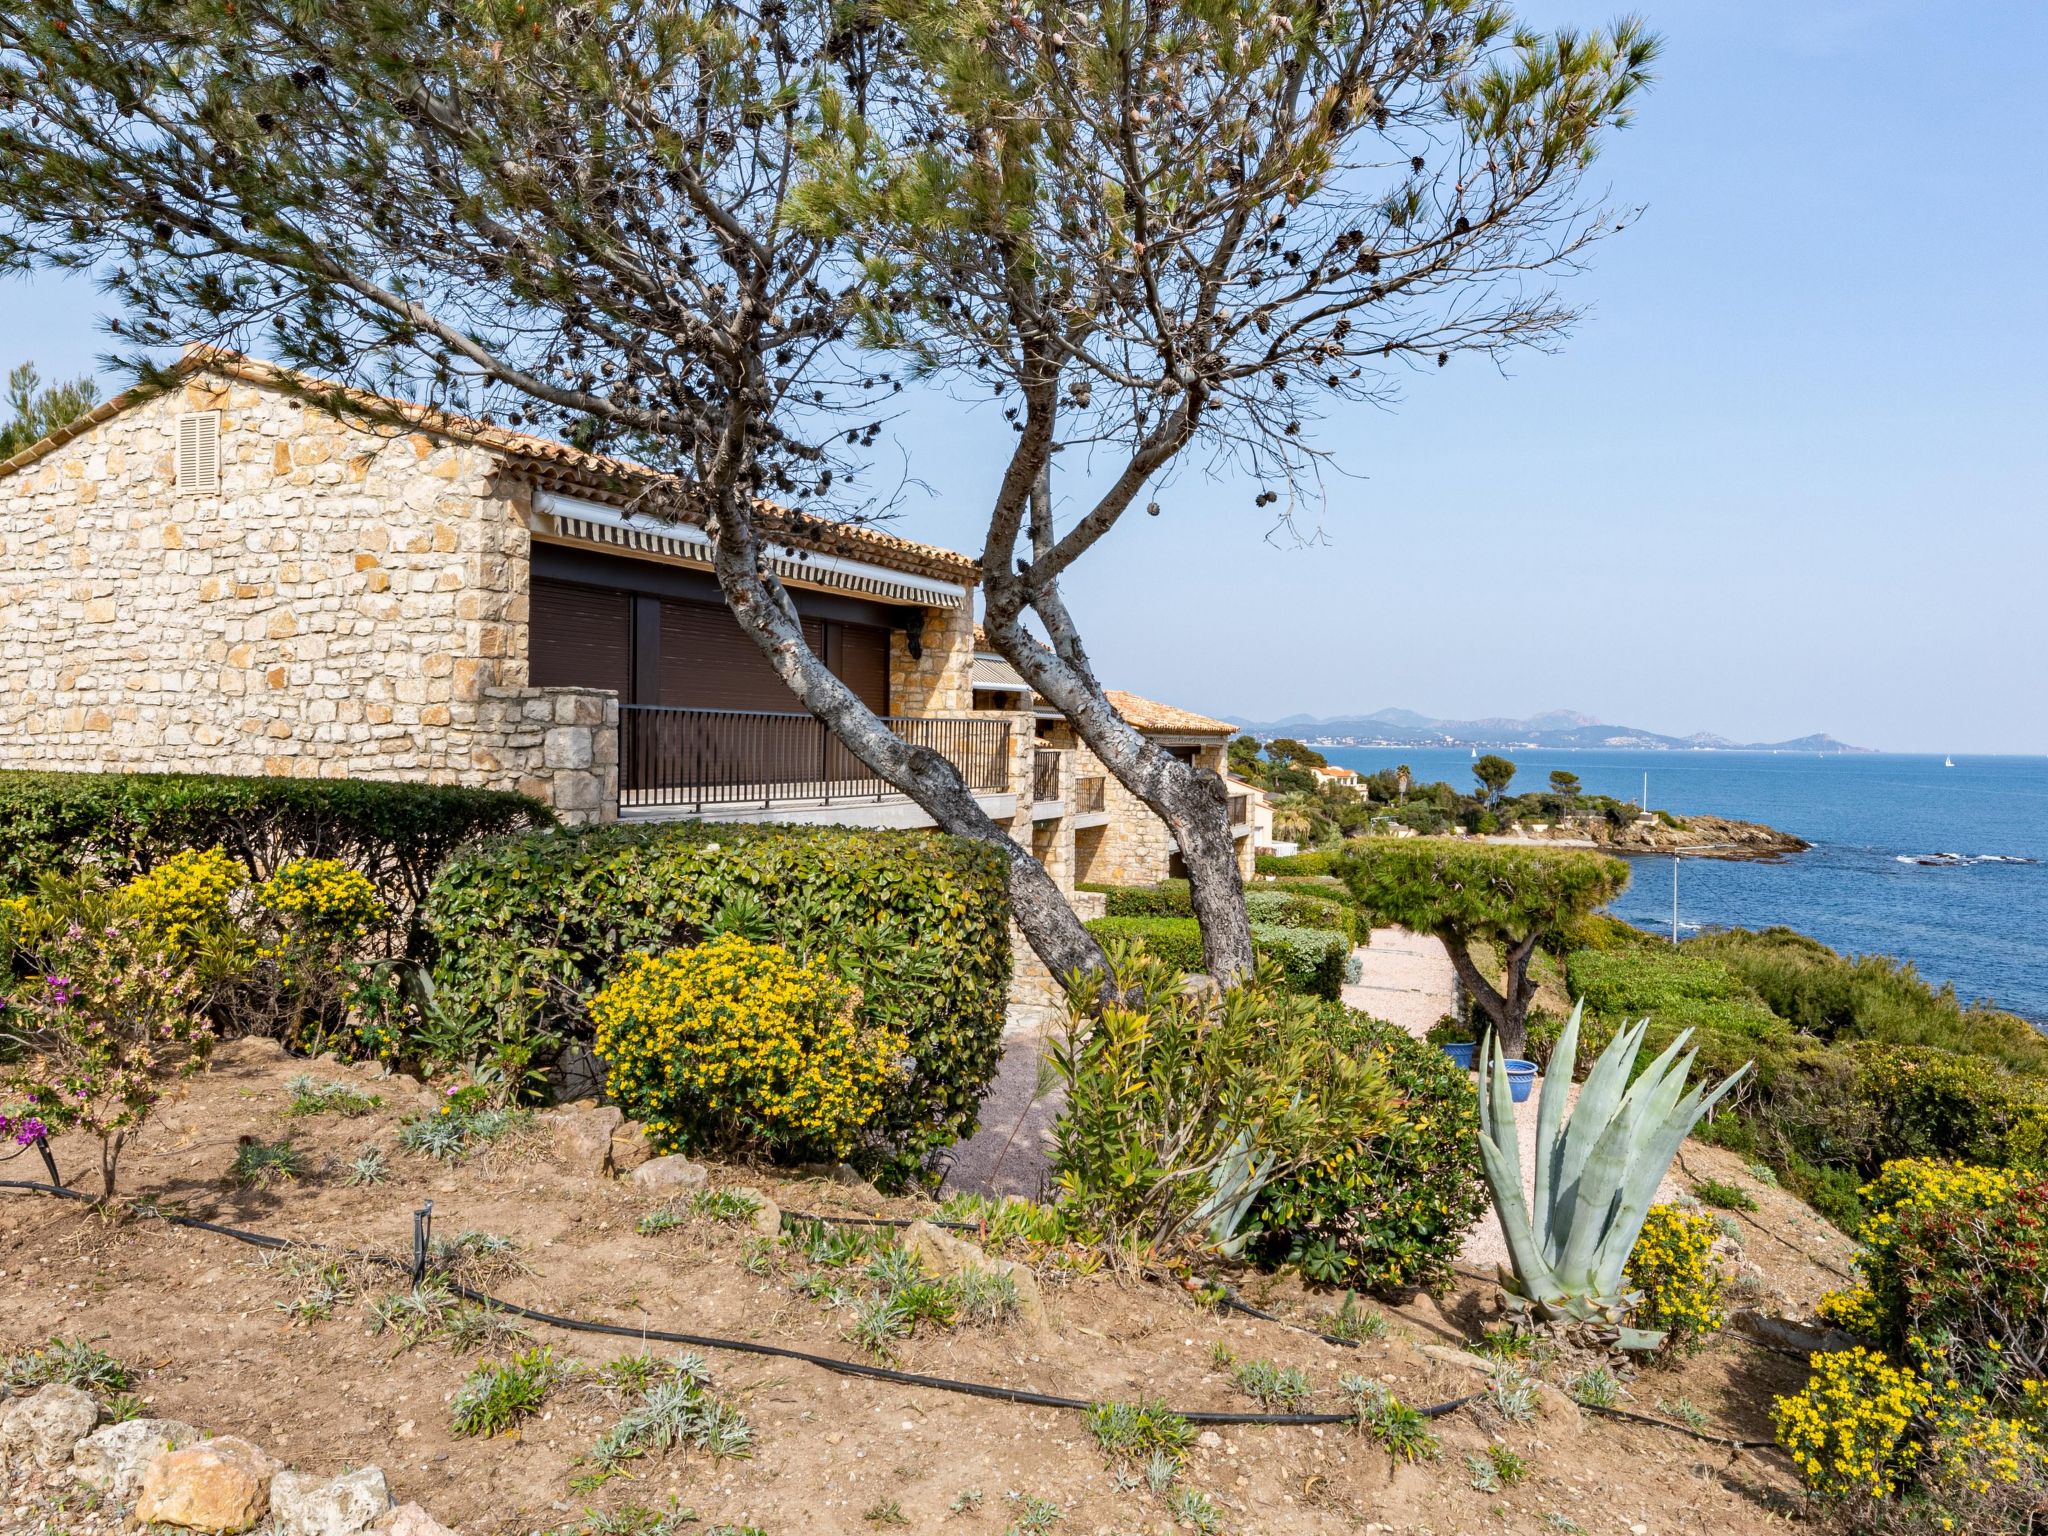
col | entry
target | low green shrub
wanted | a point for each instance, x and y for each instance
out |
(1323, 861)
(123, 824)
(1181, 1104)
(1284, 907)
(915, 923)
(1385, 1214)
(1310, 961)
(1869, 997)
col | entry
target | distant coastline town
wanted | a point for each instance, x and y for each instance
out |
(1556, 730)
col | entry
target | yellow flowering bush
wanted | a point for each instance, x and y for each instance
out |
(734, 1045)
(189, 895)
(1953, 1255)
(1847, 1432)
(1673, 1266)
(1865, 1431)
(322, 898)
(1852, 1309)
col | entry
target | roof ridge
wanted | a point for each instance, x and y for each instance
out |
(588, 471)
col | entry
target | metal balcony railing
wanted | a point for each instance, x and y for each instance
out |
(726, 757)
(1045, 775)
(1090, 793)
(1240, 810)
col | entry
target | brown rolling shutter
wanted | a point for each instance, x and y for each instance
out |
(707, 662)
(580, 637)
(862, 663)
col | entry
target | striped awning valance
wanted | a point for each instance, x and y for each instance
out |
(570, 519)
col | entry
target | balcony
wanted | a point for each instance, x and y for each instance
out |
(1045, 776)
(729, 764)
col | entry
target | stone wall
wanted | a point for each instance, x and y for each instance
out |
(348, 603)
(939, 681)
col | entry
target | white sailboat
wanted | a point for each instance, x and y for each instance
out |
(1948, 762)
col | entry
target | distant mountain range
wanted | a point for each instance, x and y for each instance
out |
(1557, 728)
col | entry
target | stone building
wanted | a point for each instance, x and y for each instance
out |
(246, 573)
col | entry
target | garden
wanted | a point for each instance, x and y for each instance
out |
(589, 1180)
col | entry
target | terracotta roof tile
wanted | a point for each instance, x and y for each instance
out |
(560, 464)
(1150, 715)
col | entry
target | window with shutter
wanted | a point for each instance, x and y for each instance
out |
(580, 637)
(199, 451)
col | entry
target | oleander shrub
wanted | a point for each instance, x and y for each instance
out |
(735, 1047)
(915, 924)
(1674, 1267)
(102, 1008)
(1181, 1104)
(1310, 961)
(1385, 1214)
(125, 824)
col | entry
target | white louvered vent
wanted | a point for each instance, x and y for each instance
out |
(199, 451)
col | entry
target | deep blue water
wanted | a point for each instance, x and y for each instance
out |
(1982, 926)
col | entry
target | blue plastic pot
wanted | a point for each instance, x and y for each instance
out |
(1460, 1051)
(1521, 1078)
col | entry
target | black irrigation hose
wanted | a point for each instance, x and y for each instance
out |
(747, 1347)
(1683, 1429)
(1021, 1395)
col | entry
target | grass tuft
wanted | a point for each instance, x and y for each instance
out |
(310, 1096)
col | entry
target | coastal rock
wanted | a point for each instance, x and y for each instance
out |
(672, 1172)
(348, 1505)
(114, 1456)
(48, 1424)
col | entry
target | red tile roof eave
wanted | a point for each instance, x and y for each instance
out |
(547, 464)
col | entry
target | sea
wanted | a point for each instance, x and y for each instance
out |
(1945, 867)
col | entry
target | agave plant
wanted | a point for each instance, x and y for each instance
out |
(1596, 1173)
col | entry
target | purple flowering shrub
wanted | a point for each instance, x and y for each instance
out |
(101, 1012)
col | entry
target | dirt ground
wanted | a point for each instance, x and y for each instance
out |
(199, 1316)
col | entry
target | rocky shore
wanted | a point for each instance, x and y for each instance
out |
(1709, 837)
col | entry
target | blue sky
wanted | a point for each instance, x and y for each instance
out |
(1789, 474)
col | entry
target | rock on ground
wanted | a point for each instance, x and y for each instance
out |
(583, 1137)
(348, 1505)
(672, 1172)
(114, 1456)
(219, 1485)
(410, 1520)
(630, 1147)
(940, 1252)
(49, 1423)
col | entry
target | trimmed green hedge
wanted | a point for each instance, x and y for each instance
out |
(1309, 960)
(1290, 907)
(527, 928)
(397, 835)
(1322, 861)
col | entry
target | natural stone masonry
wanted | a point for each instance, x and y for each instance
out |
(350, 602)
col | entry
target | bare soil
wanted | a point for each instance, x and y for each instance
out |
(199, 1317)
